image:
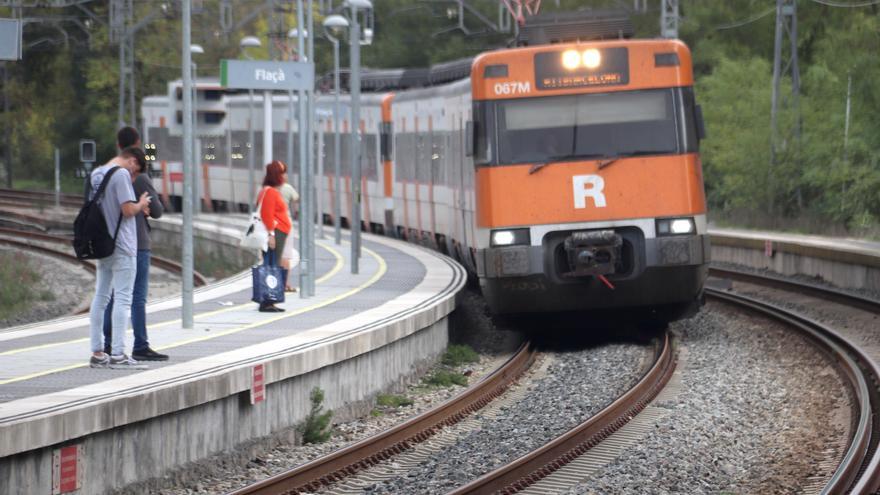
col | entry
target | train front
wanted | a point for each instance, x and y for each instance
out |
(589, 189)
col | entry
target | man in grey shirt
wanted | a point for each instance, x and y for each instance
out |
(116, 272)
(141, 350)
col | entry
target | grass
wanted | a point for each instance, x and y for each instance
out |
(17, 280)
(391, 400)
(443, 378)
(457, 355)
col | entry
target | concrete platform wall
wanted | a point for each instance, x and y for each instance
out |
(841, 268)
(149, 449)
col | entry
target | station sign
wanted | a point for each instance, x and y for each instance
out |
(267, 74)
(10, 39)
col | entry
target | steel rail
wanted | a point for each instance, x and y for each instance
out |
(370, 451)
(858, 472)
(532, 467)
(156, 261)
(816, 290)
(46, 199)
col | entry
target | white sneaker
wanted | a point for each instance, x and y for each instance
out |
(123, 362)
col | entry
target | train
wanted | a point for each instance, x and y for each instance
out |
(566, 177)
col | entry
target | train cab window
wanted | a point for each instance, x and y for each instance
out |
(484, 116)
(598, 125)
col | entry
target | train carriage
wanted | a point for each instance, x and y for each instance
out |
(566, 176)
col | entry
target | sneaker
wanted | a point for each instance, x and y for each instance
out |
(99, 362)
(123, 362)
(149, 355)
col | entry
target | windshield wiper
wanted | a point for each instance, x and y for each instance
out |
(609, 161)
(551, 159)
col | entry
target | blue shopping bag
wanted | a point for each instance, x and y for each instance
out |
(268, 281)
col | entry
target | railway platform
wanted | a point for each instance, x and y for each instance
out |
(238, 375)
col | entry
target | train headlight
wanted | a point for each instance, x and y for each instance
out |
(510, 237)
(676, 226)
(571, 59)
(592, 58)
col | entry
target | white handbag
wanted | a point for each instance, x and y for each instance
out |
(256, 236)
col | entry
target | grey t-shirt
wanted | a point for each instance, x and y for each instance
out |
(143, 184)
(118, 192)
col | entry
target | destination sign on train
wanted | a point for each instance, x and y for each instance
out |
(575, 68)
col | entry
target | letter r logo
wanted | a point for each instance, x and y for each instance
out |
(588, 186)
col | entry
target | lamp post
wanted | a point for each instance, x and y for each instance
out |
(305, 171)
(335, 23)
(197, 143)
(355, 91)
(244, 44)
(187, 251)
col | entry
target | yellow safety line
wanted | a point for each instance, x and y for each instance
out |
(340, 262)
(383, 267)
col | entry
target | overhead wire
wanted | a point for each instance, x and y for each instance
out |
(832, 3)
(746, 21)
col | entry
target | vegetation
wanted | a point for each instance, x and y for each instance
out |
(445, 378)
(391, 400)
(457, 355)
(66, 89)
(315, 428)
(18, 280)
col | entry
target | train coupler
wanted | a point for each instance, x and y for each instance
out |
(593, 253)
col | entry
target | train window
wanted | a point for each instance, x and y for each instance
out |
(212, 94)
(587, 126)
(484, 113)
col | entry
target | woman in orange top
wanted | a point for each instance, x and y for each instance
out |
(274, 212)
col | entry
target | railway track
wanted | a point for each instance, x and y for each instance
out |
(13, 237)
(18, 197)
(859, 472)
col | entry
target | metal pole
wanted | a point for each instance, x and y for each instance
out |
(320, 182)
(290, 115)
(304, 213)
(337, 195)
(130, 75)
(250, 151)
(57, 178)
(267, 127)
(7, 135)
(314, 209)
(121, 109)
(197, 143)
(187, 255)
(355, 91)
(846, 122)
(229, 165)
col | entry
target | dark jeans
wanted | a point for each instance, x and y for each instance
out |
(138, 304)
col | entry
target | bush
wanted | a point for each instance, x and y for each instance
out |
(17, 279)
(457, 355)
(315, 428)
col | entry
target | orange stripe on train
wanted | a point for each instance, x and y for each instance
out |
(630, 188)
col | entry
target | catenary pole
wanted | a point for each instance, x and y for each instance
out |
(315, 208)
(304, 211)
(355, 91)
(187, 255)
(251, 149)
(337, 195)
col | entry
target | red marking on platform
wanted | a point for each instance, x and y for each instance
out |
(258, 387)
(66, 469)
(175, 176)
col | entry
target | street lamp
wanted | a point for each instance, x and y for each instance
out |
(355, 91)
(244, 44)
(336, 24)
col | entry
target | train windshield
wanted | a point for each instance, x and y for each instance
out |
(602, 125)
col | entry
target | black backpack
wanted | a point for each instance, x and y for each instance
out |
(91, 239)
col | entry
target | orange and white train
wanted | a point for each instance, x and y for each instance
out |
(566, 177)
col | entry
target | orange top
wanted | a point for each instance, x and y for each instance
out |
(274, 210)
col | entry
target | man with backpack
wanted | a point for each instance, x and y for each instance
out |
(112, 189)
(141, 351)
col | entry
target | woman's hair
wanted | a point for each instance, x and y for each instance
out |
(138, 154)
(274, 174)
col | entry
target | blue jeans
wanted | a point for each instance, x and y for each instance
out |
(115, 275)
(138, 304)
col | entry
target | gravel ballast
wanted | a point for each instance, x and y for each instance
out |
(757, 409)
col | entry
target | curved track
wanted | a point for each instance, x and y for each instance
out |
(858, 472)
